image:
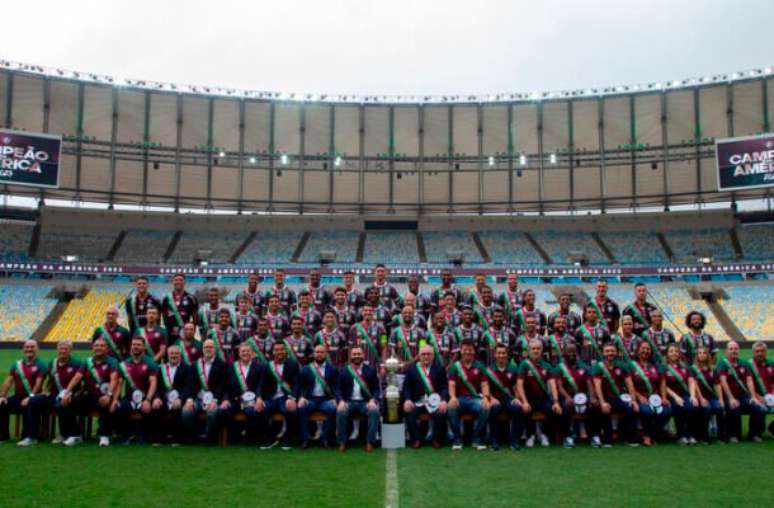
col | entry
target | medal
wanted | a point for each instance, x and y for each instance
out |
(626, 399)
(580, 400)
(433, 401)
(172, 396)
(656, 402)
(207, 397)
(769, 397)
(248, 399)
(104, 388)
(137, 398)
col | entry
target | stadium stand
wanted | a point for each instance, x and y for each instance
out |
(343, 243)
(676, 303)
(24, 307)
(752, 309)
(271, 247)
(509, 247)
(142, 246)
(14, 241)
(221, 245)
(632, 247)
(690, 245)
(438, 243)
(393, 248)
(757, 241)
(560, 245)
(87, 246)
(84, 314)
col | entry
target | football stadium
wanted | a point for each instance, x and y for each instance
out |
(214, 295)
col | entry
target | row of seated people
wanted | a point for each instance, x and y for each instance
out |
(180, 401)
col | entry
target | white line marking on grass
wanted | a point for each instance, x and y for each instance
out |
(391, 491)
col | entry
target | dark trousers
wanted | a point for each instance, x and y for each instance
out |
(31, 415)
(625, 424)
(746, 407)
(438, 422)
(67, 416)
(685, 417)
(127, 426)
(514, 424)
(274, 406)
(313, 405)
(702, 421)
(105, 420)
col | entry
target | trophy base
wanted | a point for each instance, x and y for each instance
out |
(393, 436)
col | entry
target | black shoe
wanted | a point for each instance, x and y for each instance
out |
(305, 445)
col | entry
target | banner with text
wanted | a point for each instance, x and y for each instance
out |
(28, 158)
(745, 163)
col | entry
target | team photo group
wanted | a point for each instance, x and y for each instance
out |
(282, 368)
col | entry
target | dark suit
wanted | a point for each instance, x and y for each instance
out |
(325, 402)
(278, 404)
(217, 382)
(344, 392)
(252, 381)
(182, 382)
(415, 391)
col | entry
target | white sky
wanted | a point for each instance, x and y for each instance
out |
(395, 46)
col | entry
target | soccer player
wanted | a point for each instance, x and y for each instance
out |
(657, 336)
(571, 318)
(297, 345)
(331, 337)
(154, 336)
(497, 333)
(760, 382)
(646, 378)
(528, 309)
(209, 314)
(65, 375)
(287, 297)
(438, 296)
(312, 318)
(224, 336)
(139, 380)
(709, 395)
(370, 336)
(262, 343)
(246, 319)
(278, 393)
(317, 392)
(530, 333)
(321, 297)
(536, 388)
(178, 308)
(733, 374)
(468, 394)
(640, 309)
(503, 400)
(626, 341)
(558, 340)
(101, 376)
(511, 298)
(451, 314)
(355, 297)
(608, 312)
(346, 314)
(419, 320)
(243, 388)
(591, 336)
(405, 338)
(676, 394)
(421, 302)
(486, 309)
(357, 392)
(388, 295)
(116, 337)
(26, 376)
(614, 392)
(424, 378)
(468, 329)
(381, 312)
(474, 293)
(138, 302)
(695, 321)
(176, 387)
(190, 348)
(442, 340)
(277, 318)
(573, 377)
(254, 295)
(209, 393)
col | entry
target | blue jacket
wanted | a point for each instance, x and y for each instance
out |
(414, 388)
(346, 382)
(268, 384)
(307, 380)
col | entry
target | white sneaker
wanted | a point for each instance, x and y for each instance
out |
(456, 447)
(531, 442)
(757, 439)
(27, 442)
(682, 441)
(480, 447)
(596, 442)
(104, 441)
(73, 440)
(733, 440)
(692, 441)
(544, 441)
(286, 448)
(569, 442)
(58, 440)
(355, 433)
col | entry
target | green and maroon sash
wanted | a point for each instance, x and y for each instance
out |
(592, 340)
(600, 314)
(643, 376)
(555, 345)
(759, 384)
(321, 378)
(568, 376)
(213, 334)
(202, 377)
(257, 350)
(359, 380)
(183, 351)
(280, 382)
(55, 375)
(703, 380)
(609, 377)
(656, 353)
(240, 376)
(175, 312)
(481, 318)
(490, 338)
(457, 367)
(93, 371)
(102, 333)
(622, 347)
(679, 378)
(732, 370)
(23, 378)
(539, 379)
(367, 339)
(404, 342)
(428, 384)
(291, 352)
(165, 377)
(434, 342)
(637, 314)
(496, 381)
(127, 376)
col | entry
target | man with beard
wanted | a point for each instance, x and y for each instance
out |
(451, 314)
(438, 296)
(558, 340)
(277, 318)
(262, 343)
(657, 336)
(321, 297)
(381, 312)
(254, 295)
(209, 314)
(346, 315)
(286, 296)
(405, 338)
(591, 336)
(502, 382)
(246, 320)
(511, 298)
(311, 317)
(388, 295)
(640, 309)
(370, 336)
(175, 388)
(331, 337)
(225, 336)
(190, 348)
(178, 308)
(355, 297)
(419, 319)
(496, 334)
(317, 392)
(421, 302)
(468, 394)
(531, 332)
(607, 310)
(139, 377)
(527, 309)
(442, 340)
(357, 392)
(571, 319)
(101, 379)
(424, 379)
(474, 293)
(297, 345)
(26, 376)
(486, 308)
(138, 303)
(695, 321)
(154, 336)
(116, 337)
(468, 329)
(278, 393)
(243, 389)
(209, 393)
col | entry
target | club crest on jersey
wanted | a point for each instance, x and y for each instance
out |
(617, 372)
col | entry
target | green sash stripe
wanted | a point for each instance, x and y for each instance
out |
(55, 375)
(592, 340)
(93, 371)
(434, 342)
(175, 311)
(568, 377)
(257, 350)
(735, 375)
(637, 314)
(367, 339)
(619, 341)
(496, 381)
(679, 378)
(320, 379)
(183, 351)
(539, 379)
(609, 378)
(360, 382)
(425, 380)
(643, 376)
(457, 367)
(25, 383)
(280, 382)
(202, 377)
(757, 377)
(101, 332)
(404, 343)
(165, 377)
(125, 373)
(703, 380)
(213, 334)
(656, 353)
(291, 353)
(239, 377)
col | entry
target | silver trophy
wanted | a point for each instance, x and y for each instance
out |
(392, 393)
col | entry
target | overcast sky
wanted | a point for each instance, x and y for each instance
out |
(396, 46)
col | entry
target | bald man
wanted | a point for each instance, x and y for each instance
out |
(26, 376)
(424, 378)
(116, 337)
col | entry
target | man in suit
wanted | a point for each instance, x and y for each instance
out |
(175, 388)
(245, 378)
(423, 379)
(278, 393)
(357, 391)
(317, 385)
(210, 392)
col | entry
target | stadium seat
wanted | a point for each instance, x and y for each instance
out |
(84, 314)
(221, 245)
(391, 248)
(438, 243)
(752, 309)
(343, 243)
(690, 245)
(509, 247)
(144, 247)
(24, 307)
(14, 241)
(271, 247)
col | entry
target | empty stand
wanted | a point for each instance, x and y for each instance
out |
(143, 246)
(438, 243)
(393, 248)
(220, 245)
(87, 246)
(22, 309)
(14, 241)
(84, 314)
(271, 247)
